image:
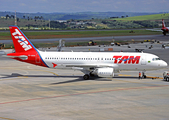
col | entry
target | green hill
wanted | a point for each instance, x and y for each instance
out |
(145, 17)
(146, 21)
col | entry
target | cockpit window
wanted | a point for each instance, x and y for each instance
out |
(154, 59)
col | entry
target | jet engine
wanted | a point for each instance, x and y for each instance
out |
(104, 72)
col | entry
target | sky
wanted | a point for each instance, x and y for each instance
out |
(71, 6)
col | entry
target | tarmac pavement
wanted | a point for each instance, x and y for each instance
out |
(29, 92)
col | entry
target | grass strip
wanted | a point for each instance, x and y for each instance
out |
(78, 34)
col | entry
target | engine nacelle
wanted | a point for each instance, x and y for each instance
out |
(104, 72)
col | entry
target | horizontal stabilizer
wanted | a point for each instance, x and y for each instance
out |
(23, 57)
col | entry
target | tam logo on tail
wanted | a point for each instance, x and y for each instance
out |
(21, 40)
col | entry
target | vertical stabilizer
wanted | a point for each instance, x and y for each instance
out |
(24, 49)
(20, 41)
(163, 24)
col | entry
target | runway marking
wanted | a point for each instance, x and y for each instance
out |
(5, 79)
(45, 71)
(85, 93)
(31, 70)
(24, 76)
(132, 81)
(123, 75)
(6, 118)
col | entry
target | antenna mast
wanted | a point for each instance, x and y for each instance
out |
(15, 18)
(49, 23)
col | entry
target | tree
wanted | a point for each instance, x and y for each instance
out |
(12, 16)
(35, 18)
(41, 17)
(28, 26)
(55, 24)
(7, 16)
(17, 19)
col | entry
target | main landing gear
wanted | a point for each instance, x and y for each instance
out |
(86, 77)
(164, 33)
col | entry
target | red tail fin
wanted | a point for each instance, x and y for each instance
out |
(163, 24)
(20, 41)
(24, 49)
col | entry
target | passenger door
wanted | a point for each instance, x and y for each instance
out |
(143, 60)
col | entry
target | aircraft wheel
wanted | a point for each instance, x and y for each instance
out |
(86, 77)
(167, 79)
(164, 33)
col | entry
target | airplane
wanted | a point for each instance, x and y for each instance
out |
(164, 28)
(101, 64)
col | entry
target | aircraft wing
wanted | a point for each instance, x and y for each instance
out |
(87, 68)
(92, 65)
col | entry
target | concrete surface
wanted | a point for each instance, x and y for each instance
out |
(29, 92)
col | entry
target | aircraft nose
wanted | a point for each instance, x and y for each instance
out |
(164, 64)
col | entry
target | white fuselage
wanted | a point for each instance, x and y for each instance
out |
(116, 60)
